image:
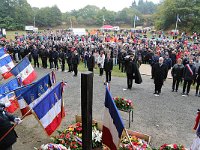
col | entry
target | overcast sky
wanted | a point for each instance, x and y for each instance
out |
(68, 5)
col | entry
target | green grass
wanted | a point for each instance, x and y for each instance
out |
(115, 72)
(11, 34)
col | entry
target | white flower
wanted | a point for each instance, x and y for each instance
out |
(93, 135)
(69, 148)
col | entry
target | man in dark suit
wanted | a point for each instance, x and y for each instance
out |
(5, 125)
(130, 71)
(75, 62)
(90, 62)
(69, 60)
(108, 67)
(160, 74)
(62, 56)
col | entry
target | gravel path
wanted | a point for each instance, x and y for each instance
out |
(168, 118)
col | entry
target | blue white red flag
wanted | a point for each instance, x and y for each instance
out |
(7, 94)
(9, 86)
(25, 71)
(2, 52)
(49, 109)
(112, 123)
(29, 95)
(5, 98)
(6, 64)
(22, 104)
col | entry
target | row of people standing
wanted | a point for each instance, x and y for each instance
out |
(188, 73)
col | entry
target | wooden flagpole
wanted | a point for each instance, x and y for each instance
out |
(14, 126)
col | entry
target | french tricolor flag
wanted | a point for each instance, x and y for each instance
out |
(112, 123)
(12, 98)
(2, 52)
(25, 71)
(6, 64)
(49, 109)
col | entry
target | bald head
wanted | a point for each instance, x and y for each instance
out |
(161, 59)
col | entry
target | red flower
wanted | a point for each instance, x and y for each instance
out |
(175, 146)
(144, 146)
(79, 129)
(62, 136)
(163, 146)
(129, 101)
(73, 143)
(67, 135)
(78, 124)
(74, 133)
(74, 146)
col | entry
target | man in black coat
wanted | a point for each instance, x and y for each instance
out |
(108, 67)
(55, 56)
(198, 83)
(69, 60)
(75, 62)
(5, 125)
(160, 74)
(130, 71)
(188, 76)
(62, 56)
(90, 62)
(50, 57)
(44, 55)
(35, 55)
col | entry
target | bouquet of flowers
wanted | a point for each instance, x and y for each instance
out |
(172, 147)
(123, 104)
(52, 146)
(71, 137)
(137, 144)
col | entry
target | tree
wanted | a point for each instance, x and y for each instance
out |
(48, 16)
(188, 12)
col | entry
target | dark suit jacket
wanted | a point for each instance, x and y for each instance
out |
(5, 125)
(160, 73)
(90, 62)
(108, 64)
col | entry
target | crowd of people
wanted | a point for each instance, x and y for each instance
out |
(126, 49)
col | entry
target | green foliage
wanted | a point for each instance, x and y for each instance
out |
(189, 13)
(146, 7)
(48, 16)
(14, 14)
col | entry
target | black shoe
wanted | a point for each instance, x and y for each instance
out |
(176, 91)
(172, 90)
